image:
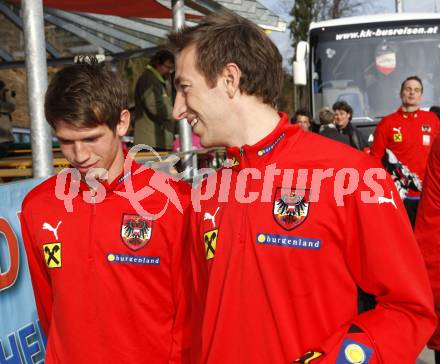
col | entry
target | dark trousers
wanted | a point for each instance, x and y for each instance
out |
(437, 356)
(411, 209)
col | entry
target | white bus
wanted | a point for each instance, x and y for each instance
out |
(364, 59)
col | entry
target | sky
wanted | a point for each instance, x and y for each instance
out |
(283, 41)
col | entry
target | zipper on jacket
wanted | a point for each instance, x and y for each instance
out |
(94, 204)
(92, 221)
(244, 207)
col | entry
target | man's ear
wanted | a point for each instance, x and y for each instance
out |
(124, 123)
(231, 77)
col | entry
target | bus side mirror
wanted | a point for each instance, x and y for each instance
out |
(300, 64)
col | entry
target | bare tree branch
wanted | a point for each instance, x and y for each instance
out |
(306, 11)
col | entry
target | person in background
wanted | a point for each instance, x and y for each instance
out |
(153, 103)
(7, 107)
(328, 128)
(109, 276)
(435, 110)
(343, 115)
(303, 118)
(408, 133)
(276, 272)
(427, 231)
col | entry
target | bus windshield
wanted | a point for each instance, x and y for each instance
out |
(366, 64)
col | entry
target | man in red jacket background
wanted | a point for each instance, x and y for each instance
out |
(294, 224)
(108, 275)
(408, 133)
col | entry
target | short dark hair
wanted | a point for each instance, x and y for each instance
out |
(86, 94)
(162, 56)
(343, 105)
(226, 37)
(303, 112)
(414, 78)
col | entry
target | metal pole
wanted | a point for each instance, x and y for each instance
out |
(178, 14)
(185, 132)
(36, 68)
(399, 6)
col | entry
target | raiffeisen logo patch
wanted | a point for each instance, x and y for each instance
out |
(132, 259)
(288, 241)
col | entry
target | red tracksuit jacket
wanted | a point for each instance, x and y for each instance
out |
(409, 136)
(276, 280)
(109, 284)
(428, 229)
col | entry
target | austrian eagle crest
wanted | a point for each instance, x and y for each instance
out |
(136, 231)
(291, 207)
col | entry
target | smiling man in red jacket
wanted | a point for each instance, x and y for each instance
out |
(287, 233)
(427, 233)
(108, 277)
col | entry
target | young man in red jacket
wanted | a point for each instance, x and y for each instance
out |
(286, 234)
(105, 257)
(408, 133)
(428, 232)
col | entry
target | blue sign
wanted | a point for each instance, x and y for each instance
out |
(21, 338)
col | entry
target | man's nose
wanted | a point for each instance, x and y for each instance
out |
(179, 109)
(81, 152)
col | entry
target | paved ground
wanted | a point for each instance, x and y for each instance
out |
(426, 357)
